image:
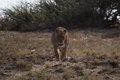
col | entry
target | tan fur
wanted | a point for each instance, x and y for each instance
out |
(59, 40)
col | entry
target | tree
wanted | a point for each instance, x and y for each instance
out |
(50, 14)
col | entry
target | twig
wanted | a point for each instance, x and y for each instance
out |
(109, 77)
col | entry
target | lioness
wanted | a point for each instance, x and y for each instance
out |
(60, 42)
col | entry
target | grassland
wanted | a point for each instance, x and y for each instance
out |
(93, 55)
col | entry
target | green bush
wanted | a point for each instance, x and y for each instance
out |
(50, 14)
(20, 17)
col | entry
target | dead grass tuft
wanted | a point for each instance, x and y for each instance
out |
(23, 65)
(93, 77)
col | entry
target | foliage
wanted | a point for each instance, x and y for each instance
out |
(20, 16)
(50, 14)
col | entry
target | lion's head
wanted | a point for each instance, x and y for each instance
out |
(60, 34)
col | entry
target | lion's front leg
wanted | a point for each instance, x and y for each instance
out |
(59, 53)
(63, 56)
(56, 52)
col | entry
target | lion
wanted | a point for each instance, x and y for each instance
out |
(59, 40)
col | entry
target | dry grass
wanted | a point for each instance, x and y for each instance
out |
(95, 55)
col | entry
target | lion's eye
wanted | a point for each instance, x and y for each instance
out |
(56, 30)
(65, 31)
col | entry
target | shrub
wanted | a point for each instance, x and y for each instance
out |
(50, 14)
